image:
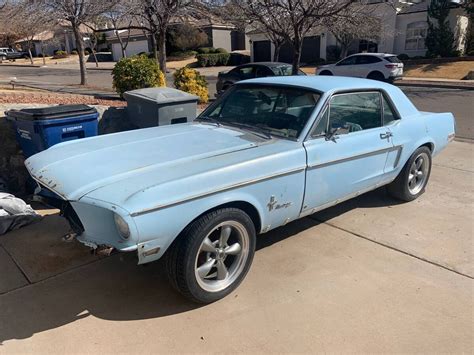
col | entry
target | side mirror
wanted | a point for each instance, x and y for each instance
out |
(331, 135)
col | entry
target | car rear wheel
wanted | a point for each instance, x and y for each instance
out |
(2, 58)
(376, 76)
(212, 256)
(325, 72)
(412, 180)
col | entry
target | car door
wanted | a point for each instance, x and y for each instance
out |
(351, 160)
(365, 64)
(345, 67)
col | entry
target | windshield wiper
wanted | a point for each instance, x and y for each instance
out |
(210, 119)
(253, 129)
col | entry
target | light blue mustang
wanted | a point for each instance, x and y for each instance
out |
(268, 152)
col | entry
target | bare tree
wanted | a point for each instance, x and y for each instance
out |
(158, 15)
(353, 24)
(78, 13)
(291, 20)
(122, 17)
(232, 12)
(32, 19)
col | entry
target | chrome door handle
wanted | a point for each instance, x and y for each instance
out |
(386, 135)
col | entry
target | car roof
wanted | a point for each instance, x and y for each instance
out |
(375, 54)
(268, 64)
(331, 84)
(320, 83)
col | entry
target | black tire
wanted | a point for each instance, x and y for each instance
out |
(183, 256)
(2, 58)
(400, 187)
(376, 75)
(326, 72)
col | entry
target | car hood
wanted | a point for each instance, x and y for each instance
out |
(76, 168)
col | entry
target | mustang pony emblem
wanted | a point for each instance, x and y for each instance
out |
(272, 204)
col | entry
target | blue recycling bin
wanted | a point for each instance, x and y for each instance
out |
(38, 129)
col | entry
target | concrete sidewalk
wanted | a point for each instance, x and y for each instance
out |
(369, 275)
(436, 82)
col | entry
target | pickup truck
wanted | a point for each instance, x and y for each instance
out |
(268, 152)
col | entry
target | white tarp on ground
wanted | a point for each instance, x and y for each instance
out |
(15, 213)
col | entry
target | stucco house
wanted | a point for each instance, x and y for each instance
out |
(404, 28)
(60, 37)
(220, 35)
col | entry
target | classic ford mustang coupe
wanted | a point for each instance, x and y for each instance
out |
(268, 152)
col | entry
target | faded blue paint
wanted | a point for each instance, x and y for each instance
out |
(160, 179)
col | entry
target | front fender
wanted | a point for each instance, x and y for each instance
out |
(158, 229)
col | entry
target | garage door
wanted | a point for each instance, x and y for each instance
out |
(262, 51)
(311, 49)
(309, 53)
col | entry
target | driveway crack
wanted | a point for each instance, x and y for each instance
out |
(391, 247)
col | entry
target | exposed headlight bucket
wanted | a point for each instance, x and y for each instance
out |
(122, 226)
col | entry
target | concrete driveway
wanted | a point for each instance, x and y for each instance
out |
(370, 275)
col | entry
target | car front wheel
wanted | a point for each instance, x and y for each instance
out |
(412, 180)
(212, 256)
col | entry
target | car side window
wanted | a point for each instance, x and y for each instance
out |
(261, 72)
(355, 112)
(367, 59)
(348, 61)
(322, 126)
(247, 73)
(389, 116)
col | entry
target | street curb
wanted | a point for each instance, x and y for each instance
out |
(441, 85)
(105, 69)
(21, 65)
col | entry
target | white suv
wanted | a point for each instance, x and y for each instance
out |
(377, 66)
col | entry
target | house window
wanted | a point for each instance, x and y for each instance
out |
(416, 34)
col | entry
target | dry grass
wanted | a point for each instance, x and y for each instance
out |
(454, 70)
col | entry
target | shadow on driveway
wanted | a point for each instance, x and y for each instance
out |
(117, 289)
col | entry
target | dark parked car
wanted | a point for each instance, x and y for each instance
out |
(249, 71)
(11, 54)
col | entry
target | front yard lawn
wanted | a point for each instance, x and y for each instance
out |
(454, 70)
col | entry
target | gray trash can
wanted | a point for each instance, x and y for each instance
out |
(152, 107)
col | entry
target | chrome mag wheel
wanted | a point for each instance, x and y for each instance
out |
(418, 173)
(222, 256)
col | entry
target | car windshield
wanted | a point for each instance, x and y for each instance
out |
(284, 70)
(276, 110)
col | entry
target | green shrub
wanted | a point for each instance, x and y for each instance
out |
(205, 50)
(403, 56)
(74, 52)
(181, 55)
(212, 60)
(238, 59)
(136, 72)
(60, 54)
(189, 80)
(221, 50)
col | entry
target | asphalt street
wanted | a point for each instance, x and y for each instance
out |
(459, 102)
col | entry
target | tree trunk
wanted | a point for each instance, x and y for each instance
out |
(297, 47)
(30, 54)
(344, 50)
(276, 53)
(162, 50)
(122, 46)
(80, 51)
(153, 45)
(42, 53)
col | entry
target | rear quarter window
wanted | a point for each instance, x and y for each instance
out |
(393, 59)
